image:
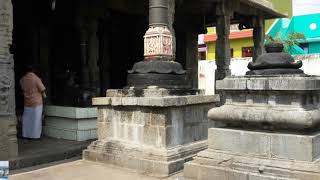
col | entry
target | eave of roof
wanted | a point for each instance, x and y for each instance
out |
(265, 6)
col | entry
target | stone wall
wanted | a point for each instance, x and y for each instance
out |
(8, 140)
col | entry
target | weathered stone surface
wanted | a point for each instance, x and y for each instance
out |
(9, 146)
(71, 123)
(8, 138)
(211, 162)
(268, 131)
(278, 102)
(265, 145)
(155, 101)
(158, 134)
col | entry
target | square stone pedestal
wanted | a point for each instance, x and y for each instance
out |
(268, 130)
(256, 155)
(71, 123)
(150, 131)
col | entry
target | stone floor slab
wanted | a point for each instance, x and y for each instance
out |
(85, 170)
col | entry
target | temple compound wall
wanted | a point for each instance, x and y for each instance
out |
(8, 145)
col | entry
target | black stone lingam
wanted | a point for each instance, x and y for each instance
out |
(275, 62)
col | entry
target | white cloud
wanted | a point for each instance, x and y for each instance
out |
(302, 7)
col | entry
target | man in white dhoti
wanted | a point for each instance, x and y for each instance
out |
(34, 92)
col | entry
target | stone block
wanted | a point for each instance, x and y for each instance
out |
(72, 123)
(155, 133)
(295, 147)
(270, 145)
(239, 142)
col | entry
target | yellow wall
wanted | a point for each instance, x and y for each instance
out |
(236, 44)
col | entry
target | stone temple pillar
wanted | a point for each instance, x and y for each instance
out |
(158, 122)
(223, 55)
(258, 37)
(158, 68)
(8, 145)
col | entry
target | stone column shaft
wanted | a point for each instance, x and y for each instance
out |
(223, 54)
(93, 54)
(258, 37)
(83, 58)
(158, 12)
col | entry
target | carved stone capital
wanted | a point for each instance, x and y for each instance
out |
(158, 43)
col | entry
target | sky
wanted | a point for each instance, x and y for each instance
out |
(302, 7)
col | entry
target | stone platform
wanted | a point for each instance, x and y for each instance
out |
(256, 155)
(70, 123)
(268, 129)
(150, 131)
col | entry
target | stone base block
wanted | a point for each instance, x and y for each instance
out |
(250, 155)
(153, 135)
(71, 123)
(145, 160)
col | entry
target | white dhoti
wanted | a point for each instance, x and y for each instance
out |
(32, 122)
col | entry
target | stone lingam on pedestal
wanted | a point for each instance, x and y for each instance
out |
(268, 127)
(157, 122)
(274, 62)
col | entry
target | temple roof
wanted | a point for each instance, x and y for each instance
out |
(264, 6)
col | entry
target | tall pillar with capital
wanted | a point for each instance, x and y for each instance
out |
(158, 68)
(258, 37)
(223, 55)
(158, 122)
(8, 132)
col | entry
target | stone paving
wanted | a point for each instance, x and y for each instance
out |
(84, 170)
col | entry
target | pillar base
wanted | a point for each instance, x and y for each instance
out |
(150, 132)
(160, 73)
(150, 161)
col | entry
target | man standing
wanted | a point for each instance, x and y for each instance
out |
(33, 91)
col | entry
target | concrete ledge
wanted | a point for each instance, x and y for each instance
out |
(156, 101)
(273, 83)
(70, 112)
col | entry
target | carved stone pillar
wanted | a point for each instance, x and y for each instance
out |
(223, 55)
(8, 146)
(158, 68)
(258, 37)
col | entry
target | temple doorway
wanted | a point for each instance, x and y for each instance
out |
(76, 53)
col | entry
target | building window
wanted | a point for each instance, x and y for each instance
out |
(231, 52)
(247, 52)
(202, 51)
(304, 47)
(202, 55)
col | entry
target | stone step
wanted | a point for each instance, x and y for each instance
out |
(46, 151)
